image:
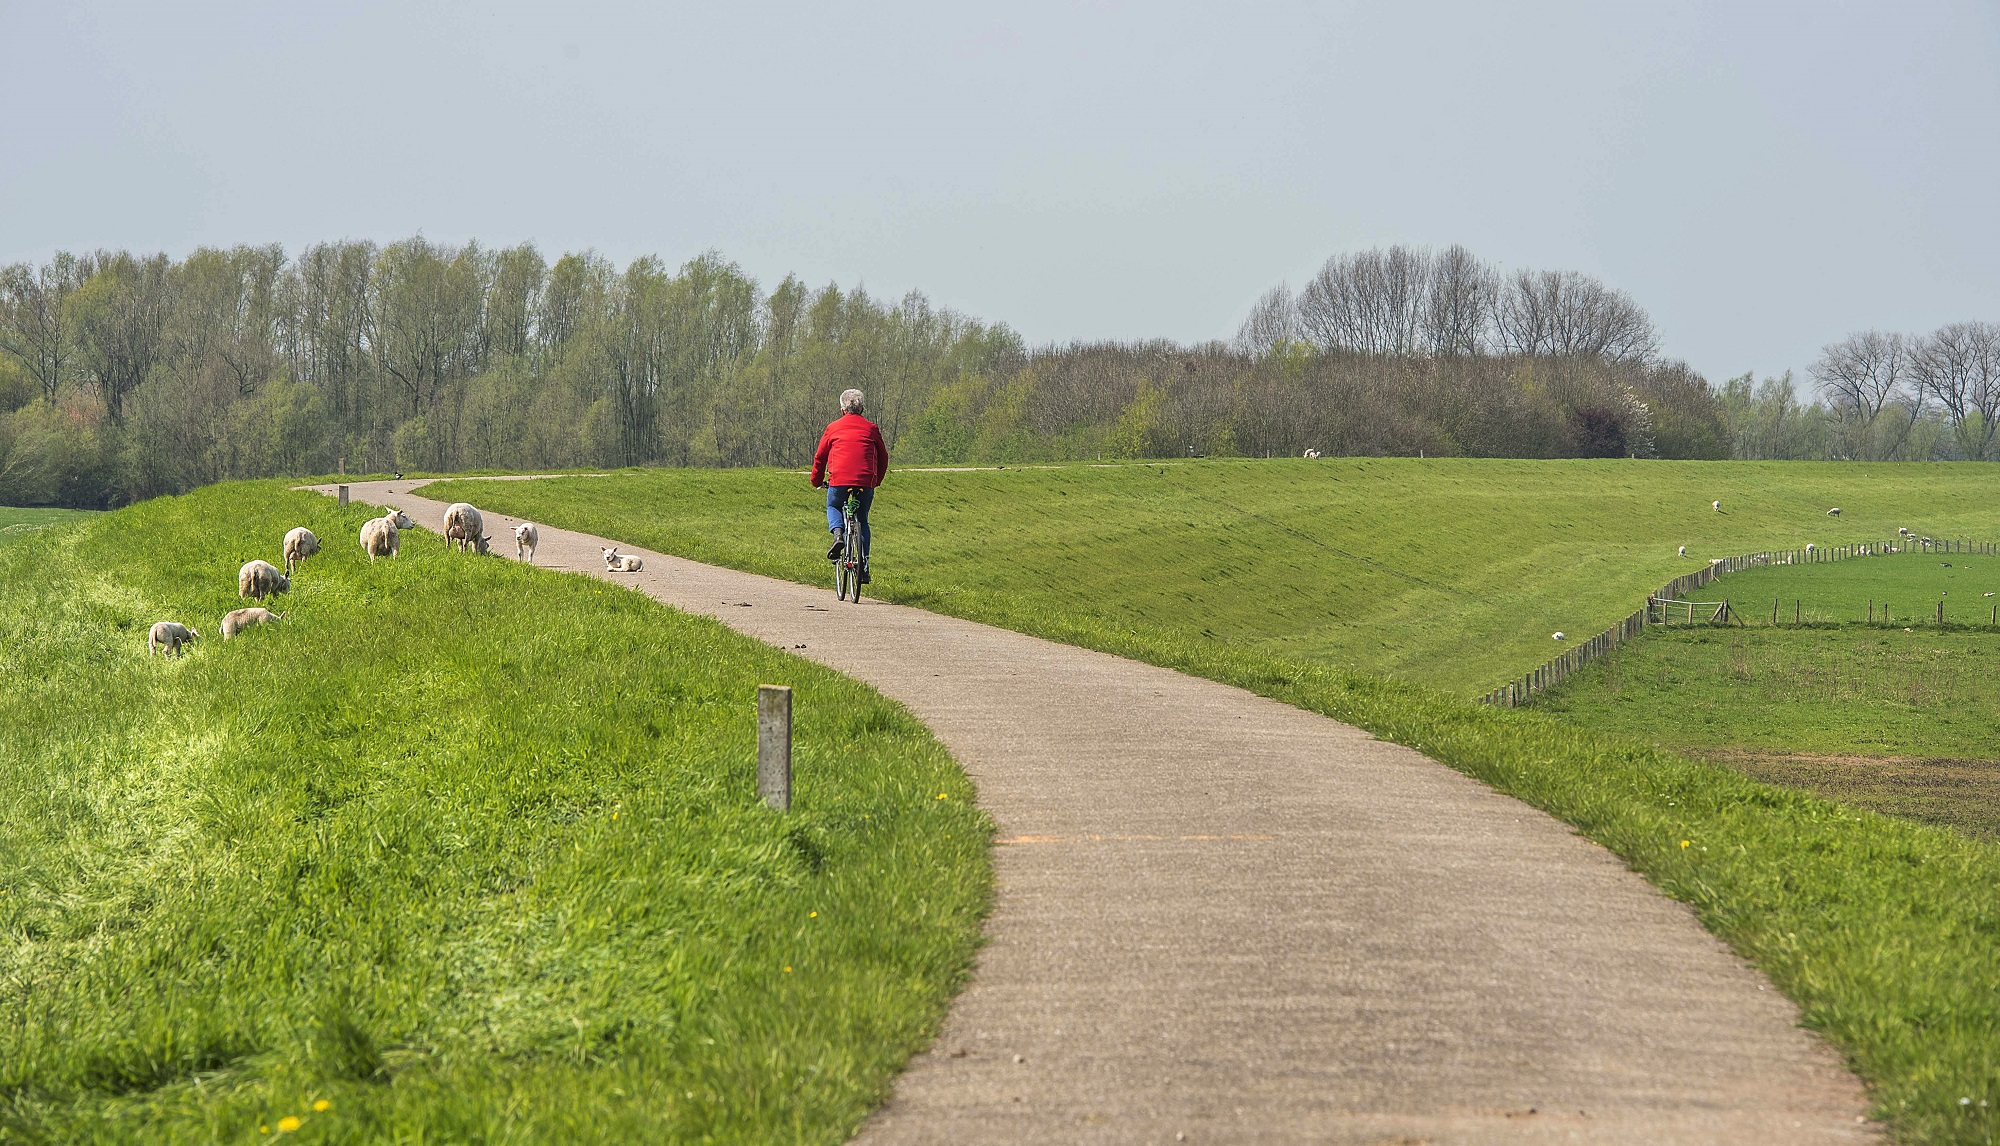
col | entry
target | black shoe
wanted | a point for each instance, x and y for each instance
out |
(864, 573)
(839, 547)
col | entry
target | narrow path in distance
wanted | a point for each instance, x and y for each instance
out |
(1223, 919)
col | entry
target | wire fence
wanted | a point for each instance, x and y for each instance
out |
(1547, 675)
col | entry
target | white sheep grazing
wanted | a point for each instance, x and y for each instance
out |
(463, 526)
(299, 545)
(169, 635)
(1717, 506)
(260, 579)
(1809, 547)
(1834, 512)
(1684, 551)
(1312, 453)
(382, 536)
(1559, 636)
(241, 619)
(616, 562)
(526, 537)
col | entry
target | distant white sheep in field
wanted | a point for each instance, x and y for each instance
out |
(1902, 532)
(1809, 547)
(299, 545)
(1312, 453)
(616, 562)
(1559, 636)
(382, 536)
(1684, 551)
(260, 579)
(1716, 505)
(168, 635)
(463, 526)
(1834, 512)
(241, 619)
(526, 537)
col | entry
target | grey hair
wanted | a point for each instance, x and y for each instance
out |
(850, 401)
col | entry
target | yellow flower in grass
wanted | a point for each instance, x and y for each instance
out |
(1684, 843)
(287, 1124)
(942, 796)
(322, 1106)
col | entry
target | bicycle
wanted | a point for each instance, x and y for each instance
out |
(847, 566)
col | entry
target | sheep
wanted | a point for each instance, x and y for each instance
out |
(1683, 551)
(1809, 547)
(1716, 505)
(1559, 635)
(169, 635)
(1312, 453)
(1834, 512)
(1902, 532)
(465, 527)
(299, 545)
(526, 537)
(260, 579)
(382, 536)
(241, 619)
(616, 562)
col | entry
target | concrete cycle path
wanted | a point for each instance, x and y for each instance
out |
(1222, 919)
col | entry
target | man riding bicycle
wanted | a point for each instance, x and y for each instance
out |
(850, 463)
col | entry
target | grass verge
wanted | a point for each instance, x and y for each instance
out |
(17, 523)
(1883, 931)
(460, 849)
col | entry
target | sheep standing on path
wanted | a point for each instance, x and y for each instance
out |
(616, 562)
(526, 537)
(464, 526)
(261, 579)
(169, 635)
(299, 545)
(241, 619)
(382, 536)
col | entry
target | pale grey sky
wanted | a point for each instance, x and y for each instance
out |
(1763, 177)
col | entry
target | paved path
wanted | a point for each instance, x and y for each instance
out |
(1225, 918)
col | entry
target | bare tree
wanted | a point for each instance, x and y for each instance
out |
(36, 325)
(1563, 314)
(1862, 377)
(1459, 304)
(1272, 323)
(1371, 302)
(1959, 366)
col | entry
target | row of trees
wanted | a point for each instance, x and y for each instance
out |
(123, 376)
(1890, 395)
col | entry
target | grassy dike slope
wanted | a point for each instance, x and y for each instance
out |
(1451, 573)
(1885, 932)
(465, 850)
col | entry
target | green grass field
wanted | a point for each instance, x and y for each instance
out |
(1288, 577)
(1450, 573)
(464, 850)
(17, 523)
(1899, 715)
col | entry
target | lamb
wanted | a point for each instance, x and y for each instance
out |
(261, 579)
(241, 619)
(299, 545)
(616, 562)
(526, 537)
(464, 526)
(170, 635)
(382, 536)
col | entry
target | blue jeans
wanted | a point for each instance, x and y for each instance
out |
(836, 500)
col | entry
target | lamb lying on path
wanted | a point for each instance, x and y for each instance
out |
(235, 622)
(170, 635)
(526, 537)
(616, 562)
(260, 579)
(299, 545)
(464, 526)
(382, 536)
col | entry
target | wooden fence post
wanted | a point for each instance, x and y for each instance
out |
(774, 745)
(343, 495)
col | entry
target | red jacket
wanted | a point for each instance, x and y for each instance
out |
(851, 453)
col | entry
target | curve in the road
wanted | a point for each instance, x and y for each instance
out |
(1223, 919)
